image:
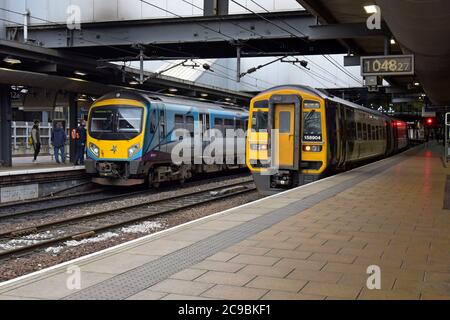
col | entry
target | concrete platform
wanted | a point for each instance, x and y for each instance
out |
(44, 164)
(313, 242)
(26, 180)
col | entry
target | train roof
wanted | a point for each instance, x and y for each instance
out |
(323, 94)
(186, 101)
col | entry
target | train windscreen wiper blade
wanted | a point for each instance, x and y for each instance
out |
(310, 114)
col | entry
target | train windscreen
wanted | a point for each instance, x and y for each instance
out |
(312, 126)
(116, 122)
(260, 121)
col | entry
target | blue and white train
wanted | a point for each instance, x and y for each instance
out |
(131, 136)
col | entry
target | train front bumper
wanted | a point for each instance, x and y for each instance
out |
(114, 169)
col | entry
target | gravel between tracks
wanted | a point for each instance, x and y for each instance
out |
(13, 268)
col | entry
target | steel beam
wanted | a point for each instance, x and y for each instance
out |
(5, 126)
(344, 31)
(165, 31)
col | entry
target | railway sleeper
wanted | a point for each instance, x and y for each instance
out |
(23, 232)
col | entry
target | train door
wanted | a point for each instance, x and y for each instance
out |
(205, 128)
(162, 128)
(285, 124)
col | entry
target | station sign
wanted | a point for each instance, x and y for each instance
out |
(395, 65)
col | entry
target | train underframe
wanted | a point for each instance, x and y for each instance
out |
(132, 173)
(282, 180)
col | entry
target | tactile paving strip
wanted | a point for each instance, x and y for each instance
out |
(136, 280)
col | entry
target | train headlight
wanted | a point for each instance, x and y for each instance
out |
(259, 147)
(312, 148)
(133, 150)
(94, 149)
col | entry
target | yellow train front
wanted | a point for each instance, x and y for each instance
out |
(298, 135)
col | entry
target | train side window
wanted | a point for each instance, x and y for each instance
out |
(179, 121)
(369, 132)
(364, 131)
(238, 124)
(162, 123)
(218, 124)
(359, 131)
(229, 123)
(153, 122)
(190, 124)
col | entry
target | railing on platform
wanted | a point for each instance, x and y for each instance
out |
(21, 131)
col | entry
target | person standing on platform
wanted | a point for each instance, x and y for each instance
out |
(80, 142)
(36, 139)
(59, 142)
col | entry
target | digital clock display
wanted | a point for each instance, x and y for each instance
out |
(387, 65)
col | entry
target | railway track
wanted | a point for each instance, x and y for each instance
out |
(41, 206)
(84, 226)
(23, 209)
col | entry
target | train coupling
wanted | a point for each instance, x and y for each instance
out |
(281, 179)
(107, 169)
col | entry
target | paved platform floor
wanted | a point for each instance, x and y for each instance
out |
(44, 164)
(314, 242)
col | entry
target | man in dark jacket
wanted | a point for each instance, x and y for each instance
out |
(59, 142)
(80, 142)
(36, 139)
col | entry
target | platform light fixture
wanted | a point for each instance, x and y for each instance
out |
(133, 83)
(204, 95)
(370, 9)
(393, 42)
(228, 99)
(173, 90)
(11, 60)
(417, 84)
(80, 73)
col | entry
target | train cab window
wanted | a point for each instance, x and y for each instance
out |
(101, 121)
(130, 119)
(260, 121)
(312, 126)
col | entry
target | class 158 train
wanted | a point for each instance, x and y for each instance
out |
(131, 136)
(298, 135)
